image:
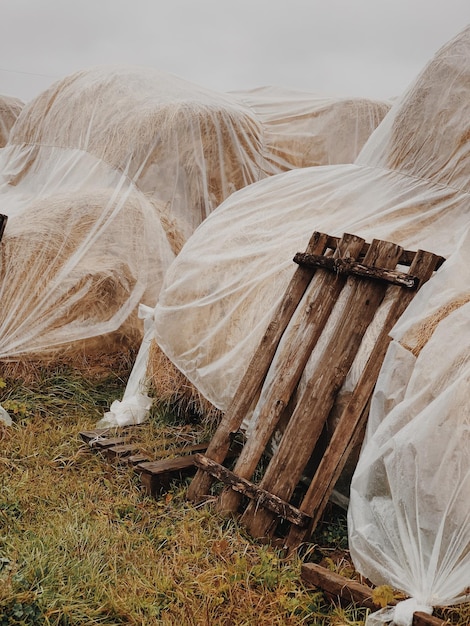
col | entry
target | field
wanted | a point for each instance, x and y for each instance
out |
(81, 542)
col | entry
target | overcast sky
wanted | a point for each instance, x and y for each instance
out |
(370, 48)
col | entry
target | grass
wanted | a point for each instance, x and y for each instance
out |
(81, 543)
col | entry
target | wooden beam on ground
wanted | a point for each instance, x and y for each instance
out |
(246, 488)
(352, 592)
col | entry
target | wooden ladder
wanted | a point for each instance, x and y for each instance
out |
(334, 295)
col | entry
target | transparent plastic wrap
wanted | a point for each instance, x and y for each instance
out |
(409, 518)
(408, 185)
(302, 129)
(104, 176)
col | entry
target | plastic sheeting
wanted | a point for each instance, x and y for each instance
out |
(409, 517)
(408, 185)
(104, 177)
(409, 521)
(303, 130)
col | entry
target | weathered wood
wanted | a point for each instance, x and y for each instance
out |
(306, 423)
(121, 451)
(246, 488)
(288, 365)
(101, 443)
(406, 257)
(347, 592)
(354, 416)
(251, 382)
(3, 223)
(348, 267)
(156, 476)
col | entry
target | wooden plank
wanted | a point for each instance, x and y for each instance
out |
(319, 300)
(107, 442)
(246, 488)
(350, 592)
(156, 476)
(406, 257)
(349, 267)
(121, 451)
(252, 380)
(306, 423)
(354, 416)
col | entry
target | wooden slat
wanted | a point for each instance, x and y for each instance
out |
(349, 592)
(259, 365)
(352, 420)
(156, 476)
(246, 488)
(348, 267)
(322, 295)
(306, 423)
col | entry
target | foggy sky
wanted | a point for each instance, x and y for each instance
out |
(370, 48)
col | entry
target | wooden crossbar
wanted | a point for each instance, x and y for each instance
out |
(321, 321)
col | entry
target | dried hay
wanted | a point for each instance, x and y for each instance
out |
(181, 144)
(304, 130)
(10, 108)
(74, 270)
(439, 97)
(419, 335)
(170, 387)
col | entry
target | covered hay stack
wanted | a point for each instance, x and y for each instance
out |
(185, 146)
(300, 130)
(10, 108)
(408, 185)
(74, 269)
(303, 130)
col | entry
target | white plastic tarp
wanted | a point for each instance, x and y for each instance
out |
(302, 129)
(104, 176)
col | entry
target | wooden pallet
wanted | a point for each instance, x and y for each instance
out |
(345, 279)
(156, 471)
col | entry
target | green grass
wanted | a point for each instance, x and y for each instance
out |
(81, 543)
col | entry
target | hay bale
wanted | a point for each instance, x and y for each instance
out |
(10, 108)
(304, 130)
(185, 146)
(74, 270)
(170, 387)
